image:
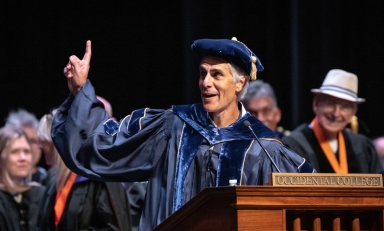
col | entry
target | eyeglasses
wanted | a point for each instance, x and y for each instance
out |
(33, 141)
(344, 107)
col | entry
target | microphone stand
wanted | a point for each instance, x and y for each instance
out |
(248, 125)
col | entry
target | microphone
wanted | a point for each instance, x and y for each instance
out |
(248, 125)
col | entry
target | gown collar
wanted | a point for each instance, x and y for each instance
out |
(195, 116)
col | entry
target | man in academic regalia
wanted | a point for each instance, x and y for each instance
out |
(179, 151)
(325, 142)
(260, 101)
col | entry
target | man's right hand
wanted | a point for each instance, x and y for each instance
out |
(77, 70)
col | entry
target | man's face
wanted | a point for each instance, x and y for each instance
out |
(217, 88)
(264, 109)
(34, 141)
(334, 114)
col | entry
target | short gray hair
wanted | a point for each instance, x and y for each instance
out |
(21, 118)
(260, 88)
(238, 74)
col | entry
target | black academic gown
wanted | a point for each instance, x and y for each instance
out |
(179, 151)
(361, 153)
(136, 195)
(20, 216)
(90, 206)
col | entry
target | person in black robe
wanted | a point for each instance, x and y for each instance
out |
(90, 205)
(19, 197)
(179, 151)
(325, 142)
(18, 211)
(27, 121)
(260, 101)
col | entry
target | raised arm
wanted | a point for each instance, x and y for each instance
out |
(77, 70)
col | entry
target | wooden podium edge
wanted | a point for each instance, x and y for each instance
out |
(195, 203)
(276, 197)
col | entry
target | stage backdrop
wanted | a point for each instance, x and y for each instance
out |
(142, 57)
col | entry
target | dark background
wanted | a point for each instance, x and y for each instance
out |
(142, 57)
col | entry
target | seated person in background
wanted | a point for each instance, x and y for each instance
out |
(379, 145)
(22, 119)
(69, 197)
(260, 101)
(179, 151)
(324, 142)
(107, 106)
(19, 198)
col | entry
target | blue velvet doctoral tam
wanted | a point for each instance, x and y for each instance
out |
(179, 151)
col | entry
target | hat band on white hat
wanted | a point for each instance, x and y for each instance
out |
(339, 90)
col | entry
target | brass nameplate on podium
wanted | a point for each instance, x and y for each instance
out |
(326, 180)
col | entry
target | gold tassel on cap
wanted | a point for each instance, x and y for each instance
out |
(254, 69)
(252, 75)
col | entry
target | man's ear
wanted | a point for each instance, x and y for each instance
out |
(240, 85)
(315, 104)
(277, 115)
(355, 110)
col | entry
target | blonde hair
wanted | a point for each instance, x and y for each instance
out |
(7, 136)
(44, 133)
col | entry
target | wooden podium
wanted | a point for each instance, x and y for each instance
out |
(280, 208)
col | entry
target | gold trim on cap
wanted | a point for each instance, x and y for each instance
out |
(252, 75)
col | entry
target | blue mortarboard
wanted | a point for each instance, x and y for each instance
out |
(231, 50)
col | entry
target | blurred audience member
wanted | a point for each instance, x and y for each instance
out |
(22, 119)
(70, 197)
(379, 144)
(107, 106)
(19, 198)
(45, 142)
(325, 142)
(260, 101)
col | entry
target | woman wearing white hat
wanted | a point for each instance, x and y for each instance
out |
(325, 142)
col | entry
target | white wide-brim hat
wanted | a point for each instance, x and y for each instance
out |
(340, 84)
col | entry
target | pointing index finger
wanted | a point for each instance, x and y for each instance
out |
(88, 52)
